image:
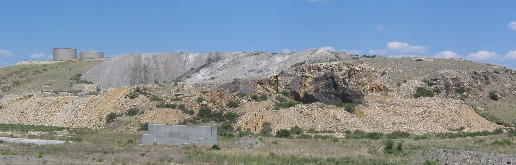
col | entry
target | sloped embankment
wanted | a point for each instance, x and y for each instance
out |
(348, 82)
(65, 111)
(137, 69)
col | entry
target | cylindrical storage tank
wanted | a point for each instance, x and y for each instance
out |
(64, 54)
(91, 55)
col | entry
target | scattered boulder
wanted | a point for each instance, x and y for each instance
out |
(250, 142)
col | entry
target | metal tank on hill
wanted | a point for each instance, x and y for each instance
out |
(64, 54)
(91, 55)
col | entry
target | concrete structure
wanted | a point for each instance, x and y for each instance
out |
(90, 55)
(64, 54)
(180, 135)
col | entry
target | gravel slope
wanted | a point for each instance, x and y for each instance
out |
(137, 69)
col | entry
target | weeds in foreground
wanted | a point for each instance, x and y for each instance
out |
(196, 155)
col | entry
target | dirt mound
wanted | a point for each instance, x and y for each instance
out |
(137, 69)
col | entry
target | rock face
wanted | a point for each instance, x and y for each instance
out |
(326, 82)
(137, 69)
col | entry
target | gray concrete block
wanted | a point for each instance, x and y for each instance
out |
(180, 135)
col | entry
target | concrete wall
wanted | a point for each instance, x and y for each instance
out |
(180, 135)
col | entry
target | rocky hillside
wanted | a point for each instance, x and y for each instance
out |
(138, 69)
(314, 89)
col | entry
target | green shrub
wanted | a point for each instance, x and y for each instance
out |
(389, 147)
(200, 100)
(281, 99)
(511, 133)
(437, 90)
(260, 98)
(284, 93)
(225, 130)
(215, 147)
(255, 97)
(398, 135)
(264, 97)
(428, 162)
(156, 98)
(283, 133)
(187, 111)
(133, 111)
(162, 105)
(504, 142)
(304, 136)
(298, 64)
(460, 90)
(111, 117)
(266, 128)
(40, 154)
(144, 127)
(287, 104)
(181, 106)
(233, 104)
(241, 95)
(296, 130)
(374, 135)
(204, 112)
(423, 92)
(425, 136)
(324, 137)
(493, 95)
(349, 108)
(77, 78)
(357, 134)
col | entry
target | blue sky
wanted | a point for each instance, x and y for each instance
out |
(478, 30)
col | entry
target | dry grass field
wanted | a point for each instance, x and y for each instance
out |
(87, 146)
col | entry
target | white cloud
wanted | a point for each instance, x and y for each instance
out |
(379, 28)
(378, 51)
(399, 47)
(352, 51)
(483, 55)
(511, 54)
(512, 25)
(37, 56)
(405, 48)
(286, 51)
(447, 54)
(5, 52)
(329, 48)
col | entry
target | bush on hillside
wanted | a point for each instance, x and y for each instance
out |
(423, 92)
(398, 135)
(283, 133)
(266, 128)
(493, 95)
(111, 117)
(296, 130)
(233, 104)
(133, 111)
(460, 90)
